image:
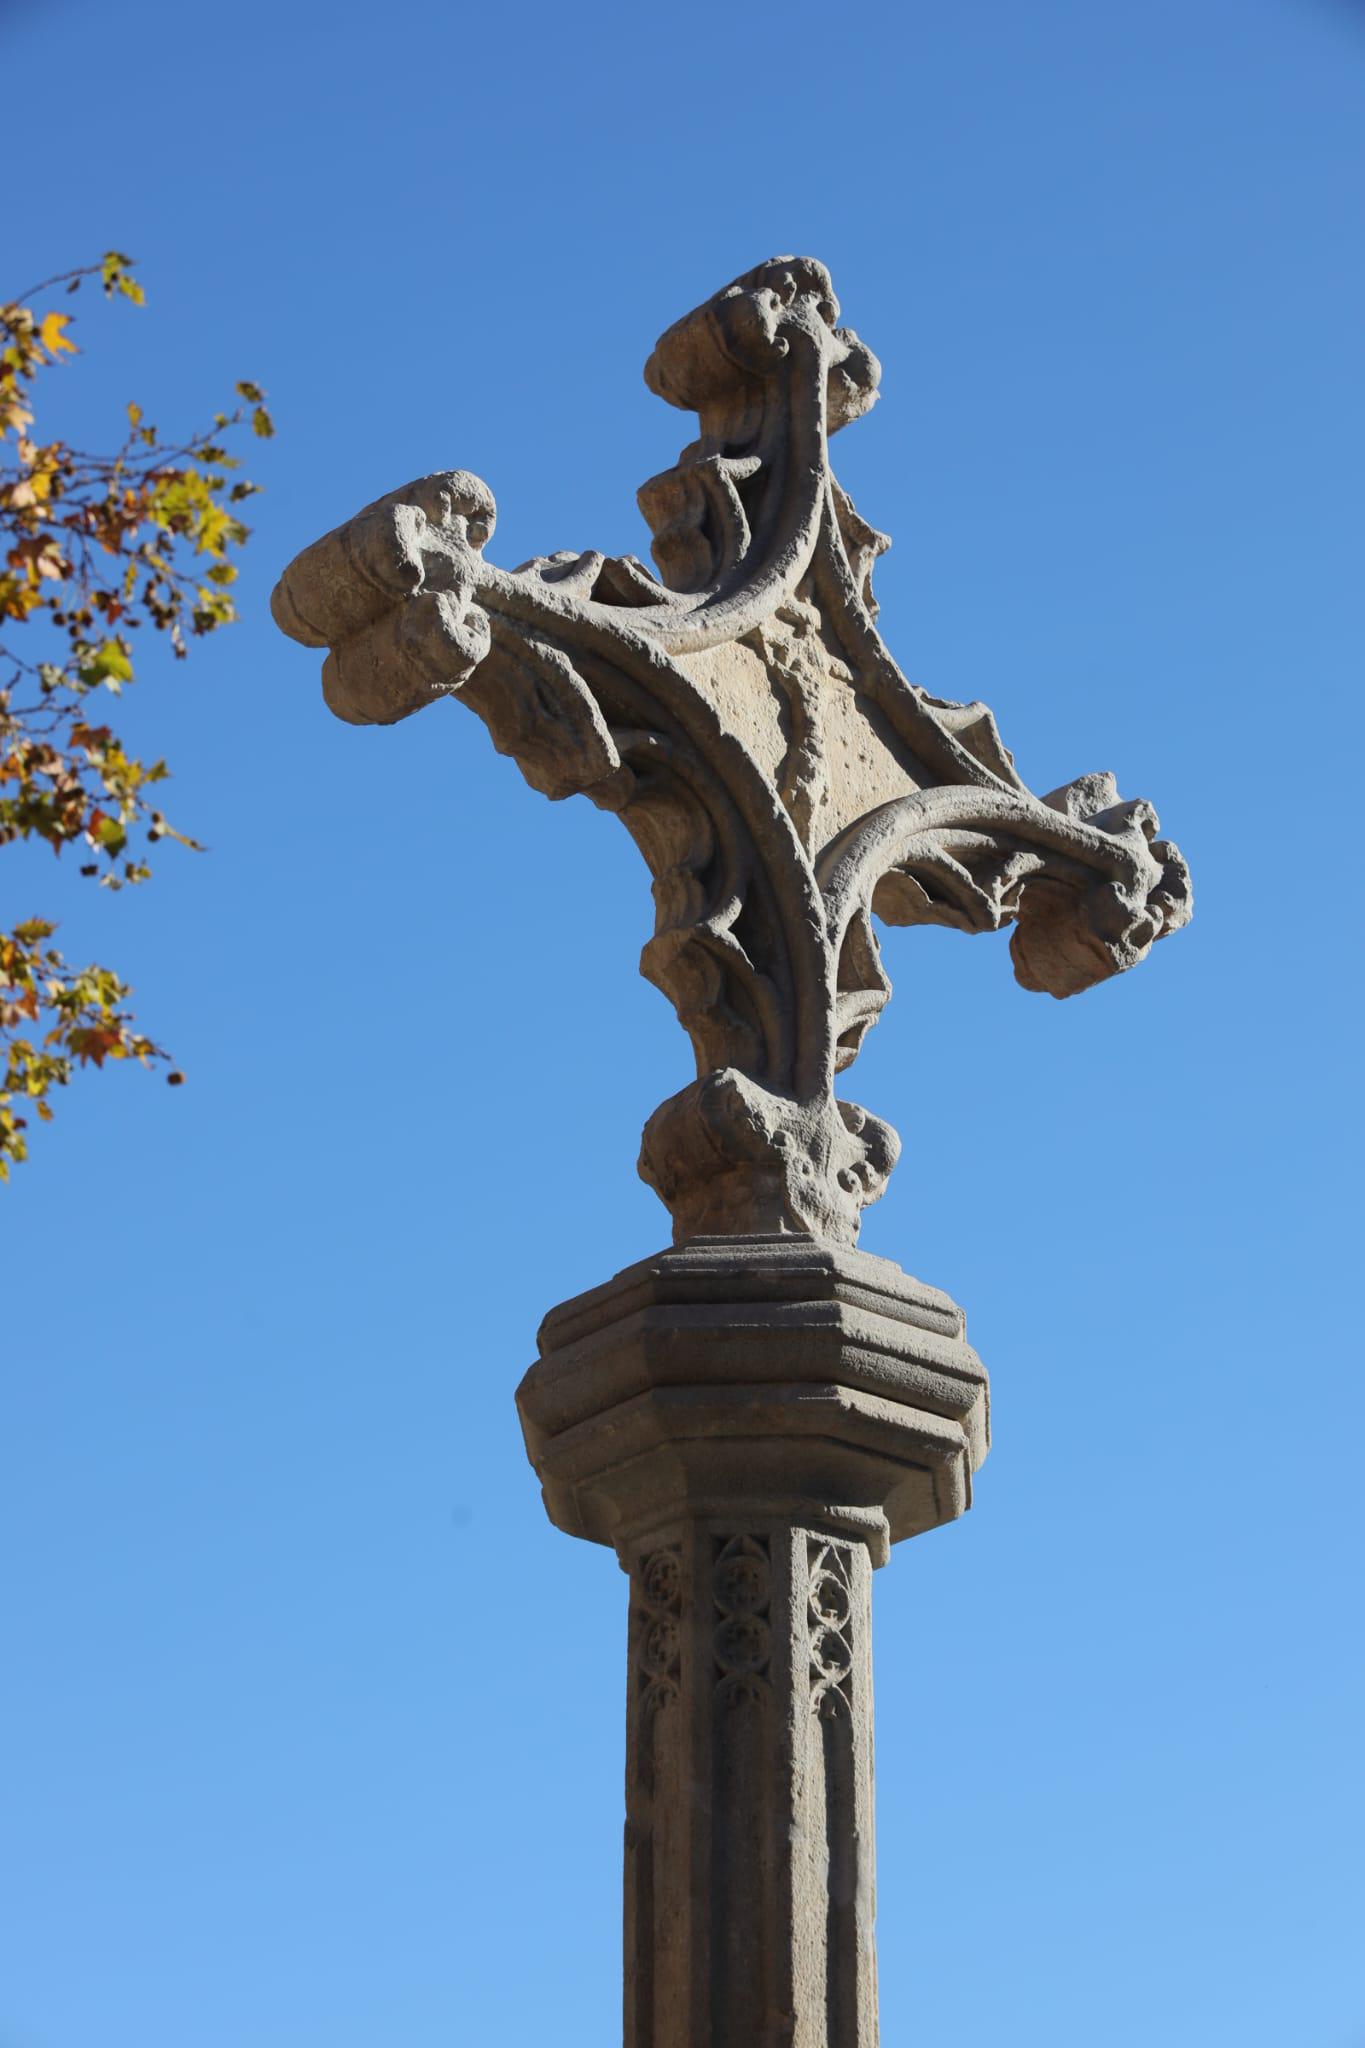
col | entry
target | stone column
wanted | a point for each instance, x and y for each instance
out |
(751, 1423)
(750, 1885)
(751, 1420)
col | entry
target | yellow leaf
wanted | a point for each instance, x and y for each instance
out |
(51, 336)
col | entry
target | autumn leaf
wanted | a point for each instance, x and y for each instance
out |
(52, 336)
(115, 271)
(144, 538)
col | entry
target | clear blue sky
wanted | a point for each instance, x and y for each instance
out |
(312, 1727)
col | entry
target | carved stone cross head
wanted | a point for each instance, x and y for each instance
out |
(741, 715)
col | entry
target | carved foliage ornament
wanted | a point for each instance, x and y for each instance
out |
(742, 717)
(659, 1638)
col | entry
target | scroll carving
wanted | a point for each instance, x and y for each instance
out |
(742, 1639)
(831, 1606)
(658, 1648)
(744, 1779)
(657, 1965)
(741, 715)
(838, 1769)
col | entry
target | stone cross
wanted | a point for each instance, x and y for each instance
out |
(753, 1417)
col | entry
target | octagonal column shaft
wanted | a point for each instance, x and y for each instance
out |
(751, 1423)
(749, 1883)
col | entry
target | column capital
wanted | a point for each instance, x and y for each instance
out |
(779, 1377)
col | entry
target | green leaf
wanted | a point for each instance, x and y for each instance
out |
(115, 269)
(109, 664)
